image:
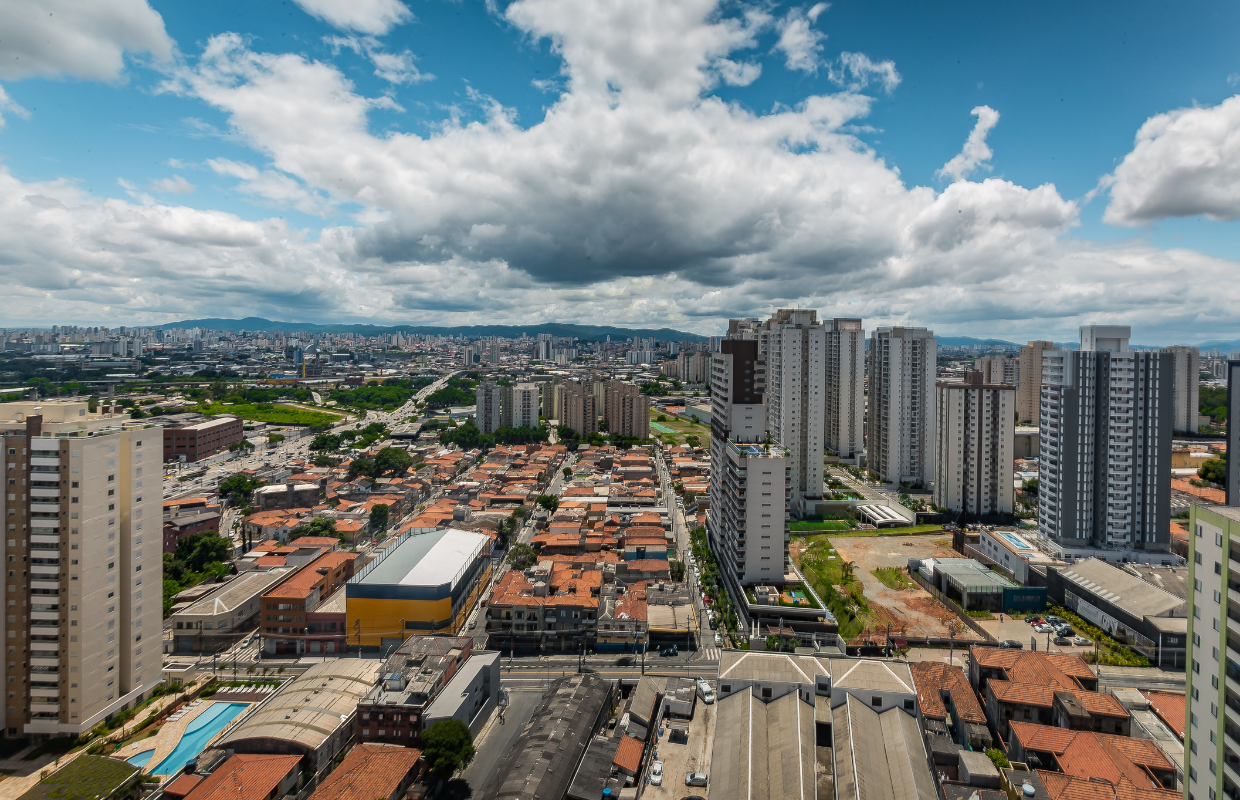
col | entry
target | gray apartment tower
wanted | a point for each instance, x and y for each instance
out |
(900, 427)
(845, 387)
(1104, 474)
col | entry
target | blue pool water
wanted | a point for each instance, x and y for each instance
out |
(1016, 541)
(141, 758)
(202, 730)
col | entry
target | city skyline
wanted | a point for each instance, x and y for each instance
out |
(442, 163)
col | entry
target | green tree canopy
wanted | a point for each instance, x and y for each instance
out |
(1214, 470)
(239, 487)
(548, 501)
(521, 556)
(448, 746)
(325, 442)
(392, 460)
(201, 549)
(379, 516)
(319, 526)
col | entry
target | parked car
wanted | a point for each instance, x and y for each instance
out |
(670, 651)
(1062, 641)
(1065, 630)
(718, 640)
(1080, 641)
(1052, 619)
(656, 773)
(695, 779)
(1011, 644)
(1043, 628)
(1036, 621)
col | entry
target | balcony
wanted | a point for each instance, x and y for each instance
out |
(44, 691)
(45, 708)
(41, 569)
(45, 508)
(45, 462)
(44, 647)
(46, 585)
(50, 491)
(52, 616)
(44, 661)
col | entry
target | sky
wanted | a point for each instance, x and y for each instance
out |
(992, 170)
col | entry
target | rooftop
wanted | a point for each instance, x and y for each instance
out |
(1086, 754)
(84, 778)
(879, 756)
(369, 771)
(845, 673)
(428, 559)
(310, 707)
(768, 751)
(933, 678)
(245, 777)
(1049, 669)
(303, 582)
(1123, 589)
(236, 592)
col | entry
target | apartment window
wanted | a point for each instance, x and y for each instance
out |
(1197, 584)
(1197, 556)
(1218, 568)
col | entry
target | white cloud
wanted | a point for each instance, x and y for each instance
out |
(1184, 162)
(392, 67)
(639, 198)
(174, 185)
(10, 106)
(798, 40)
(975, 152)
(856, 71)
(374, 17)
(54, 38)
(738, 73)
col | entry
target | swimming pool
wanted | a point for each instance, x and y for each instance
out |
(1016, 541)
(141, 758)
(201, 730)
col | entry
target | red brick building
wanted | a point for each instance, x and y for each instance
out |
(202, 439)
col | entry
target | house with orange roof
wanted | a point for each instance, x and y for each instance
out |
(1086, 754)
(949, 706)
(1048, 704)
(300, 614)
(1060, 786)
(249, 777)
(555, 610)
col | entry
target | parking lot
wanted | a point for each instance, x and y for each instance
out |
(681, 759)
(1022, 631)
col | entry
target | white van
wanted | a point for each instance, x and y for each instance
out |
(705, 692)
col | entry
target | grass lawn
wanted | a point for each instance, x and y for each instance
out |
(894, 578)
(912, 530)
(274, 413)
(86, 777)
(679, 427)
(825, 525)
(824, 574)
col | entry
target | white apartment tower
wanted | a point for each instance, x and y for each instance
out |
(524, 399)
(974, 436)
(1029, 390)
(1104, 473)
(750, 487)
(998, 368)
(488, 403)
(900, 427)
(84, 547)
(845, 387)
(1186, 382)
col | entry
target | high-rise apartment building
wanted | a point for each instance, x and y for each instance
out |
(84, 585)
(845, 387)
(974, 435)
(1029, 389)
(750, 480)
(524, 399)
(488, 406)
(1186, 383)
(998, 368)
(626, 410)
(1104, 471)
(553, 400)
(693, 367)
(1212, 674)
(900, 426)
(580, 408)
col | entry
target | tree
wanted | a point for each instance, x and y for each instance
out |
(324, 460)
(379, 517)
(238, 488)
(319, 526)
(548, 501)
(568, 472)
(677, 570)
(201, 549)
(849, 570)
(362, 466)
(1030, 486)
(244, 444)
(447, 746)
(393, 460)
(275, 438)
(1213, 470)
(521, 556)
(1000, 760)
(324, 442)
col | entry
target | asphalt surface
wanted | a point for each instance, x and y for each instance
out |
(497, 741)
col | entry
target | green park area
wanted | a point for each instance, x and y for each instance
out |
(676, 430)
(821, 526)
(834, 580)
(273, 413)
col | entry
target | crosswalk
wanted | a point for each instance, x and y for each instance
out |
(708, 654)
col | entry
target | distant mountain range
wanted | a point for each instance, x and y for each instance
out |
(583, 332)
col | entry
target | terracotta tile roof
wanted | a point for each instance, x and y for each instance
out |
(1069, 787)
(271, 561)
(316, 541)
(1021, 666)
(1205, 493)
(647, 565)
(305, 579)
(629, 755)
(1170, 709)
(1038, 694)
(645, 530)
(931, 678)
(182, 785)
(1086, 754)
(368, 772)
(245, 777)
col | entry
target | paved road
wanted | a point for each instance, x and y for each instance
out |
(499, 740)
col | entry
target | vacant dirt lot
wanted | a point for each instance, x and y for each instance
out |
(911, 612)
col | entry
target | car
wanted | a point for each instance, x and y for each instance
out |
(1080, 641)
(1065, 630)
(670, 651)
(1043, 628)
(1062, 641)
(656, 773)
(1036, 621)
(695, 779)
(718, 640)
(1053, 619)
(1011, 644)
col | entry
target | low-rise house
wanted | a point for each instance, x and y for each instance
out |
(949, 706)
(1085, 754)
(250, 777)
(372, 772)
(394, 710)
(1050, 704)
(288, 623)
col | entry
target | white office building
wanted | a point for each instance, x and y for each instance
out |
(845, 388)
(1104, 472)
(524, 405)
(900, 427)
(974, 436)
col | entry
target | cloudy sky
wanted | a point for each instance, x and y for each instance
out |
(1008, 170)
